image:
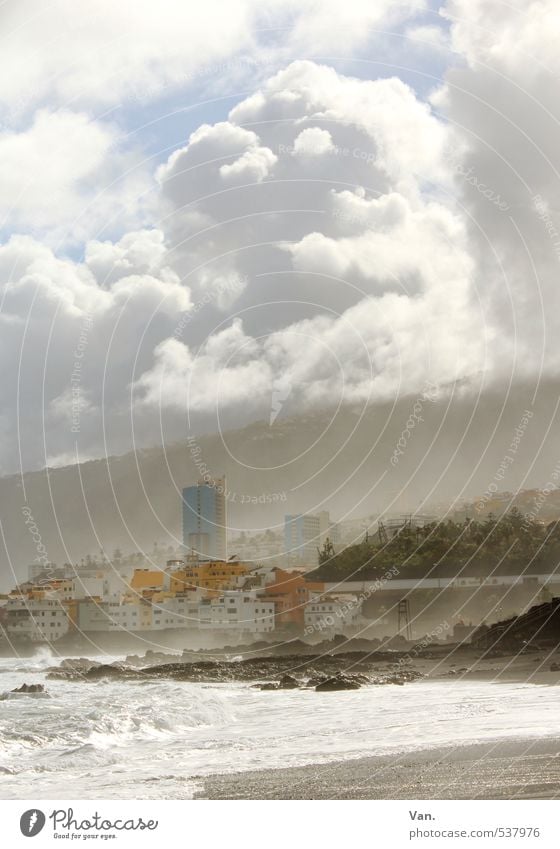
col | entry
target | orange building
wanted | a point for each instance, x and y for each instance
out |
(290, 592)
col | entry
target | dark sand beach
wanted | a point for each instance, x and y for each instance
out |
(513, 769)
(504, 769)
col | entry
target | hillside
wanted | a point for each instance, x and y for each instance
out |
(338, 462)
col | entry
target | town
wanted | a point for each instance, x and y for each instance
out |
(205, 596)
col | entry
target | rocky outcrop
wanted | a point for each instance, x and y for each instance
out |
(340, 682)
(34, 690)
(347, 670)
(29, 688)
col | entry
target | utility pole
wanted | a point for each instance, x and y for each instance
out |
(403, 612)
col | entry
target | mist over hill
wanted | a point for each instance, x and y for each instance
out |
(349, 462)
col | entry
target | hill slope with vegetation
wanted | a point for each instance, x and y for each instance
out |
(510, 545)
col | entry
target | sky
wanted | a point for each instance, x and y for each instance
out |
(218, 213)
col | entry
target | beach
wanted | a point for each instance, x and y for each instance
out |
(462, 726)
(512, 769)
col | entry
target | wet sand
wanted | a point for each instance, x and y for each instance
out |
(507, 769)
(513, 769)
(467, 664)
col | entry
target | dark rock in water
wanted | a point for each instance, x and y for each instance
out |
(153, 658)
(555, 667)
(71, 668)
(77, 663)
(107, 670)
(271, 672)
(288, 682)
(90, 671)
(341, 682)
(25, 690)
(29, 688)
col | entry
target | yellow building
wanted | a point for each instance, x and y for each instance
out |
(213, 576)
(147, 581)
(71, 607)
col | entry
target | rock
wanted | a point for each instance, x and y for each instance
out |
(71, 668)
(29, 688)
(105, 670)
(37, 690)
(288, 682)
(341, 682)
(76, 663)
(555, 667)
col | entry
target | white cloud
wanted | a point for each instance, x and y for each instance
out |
(69, 339)
(398, 129)
(313, 141)
(520, 37)
(502, 104)
(62, 177)
(372, 138)
(253, 165)
(103, 51)
(330, 25)
(141, 252)
(435, 241)
(99, 51)
(343, 198)
(327, 239)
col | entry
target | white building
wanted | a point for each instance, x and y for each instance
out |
(237, 611)
(178, 612)
(36, 620)
(91, 587)
(94, 617)
(114, 616)
(332, 614)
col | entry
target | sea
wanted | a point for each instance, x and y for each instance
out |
(127, 739)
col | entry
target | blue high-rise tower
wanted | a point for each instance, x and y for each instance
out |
(204, 520)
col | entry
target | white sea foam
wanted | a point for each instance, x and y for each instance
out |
(136, 739)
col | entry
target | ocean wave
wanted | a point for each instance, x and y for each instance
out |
(159, 714)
